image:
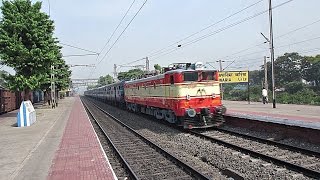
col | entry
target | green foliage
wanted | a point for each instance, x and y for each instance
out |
(293, 87)
(2, 80)
(287, 68)
(104, 80)
(305, 96)
(256, 77)
(131, 74)
(91, 87)
(238, 95)
(19, 82)
(311, 69)
(157, 67)
(62, 75)
(27, 44)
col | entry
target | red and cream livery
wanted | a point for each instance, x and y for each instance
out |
(184, 95)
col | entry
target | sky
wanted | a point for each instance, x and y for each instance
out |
(163, 23)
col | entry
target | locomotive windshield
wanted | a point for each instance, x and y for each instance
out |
(190, 76)
(208, 75)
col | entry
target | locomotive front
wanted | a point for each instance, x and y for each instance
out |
(197, 93)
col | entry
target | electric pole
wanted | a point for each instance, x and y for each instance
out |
(272, 55)
(115, 74)
(147, 65)
(221, 88)
(53, 89)
(265, 73)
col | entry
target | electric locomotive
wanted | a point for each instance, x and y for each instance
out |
(185, 94)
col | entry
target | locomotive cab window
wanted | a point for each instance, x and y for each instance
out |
(190, 76)
(208, 75)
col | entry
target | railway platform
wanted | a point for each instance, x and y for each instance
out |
(288, 114)
(61, 144)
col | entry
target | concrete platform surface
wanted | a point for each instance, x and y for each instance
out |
(80, 154)
(295, 115)
(27, 152)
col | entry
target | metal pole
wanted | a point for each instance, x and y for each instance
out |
(221, 87)
(265, 73)
(272, 56)
(115, 73)
(49, 6)
(248, 86)
(147, 65)
(53, 89)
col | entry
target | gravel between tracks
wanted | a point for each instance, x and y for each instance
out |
(204, 154)
(276, 136)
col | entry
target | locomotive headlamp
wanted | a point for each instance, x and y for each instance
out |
(213, 95)
(188, 97)
(191, 113)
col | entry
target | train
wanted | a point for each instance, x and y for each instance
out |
(186, 94)
(10, 100)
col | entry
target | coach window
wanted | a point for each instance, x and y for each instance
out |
(171, 79)
(138, 87)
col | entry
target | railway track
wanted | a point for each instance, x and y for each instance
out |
(297, 159)
(289, 159)
(142, 158)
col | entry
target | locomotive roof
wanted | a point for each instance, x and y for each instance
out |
(145, 79)
(162, 75)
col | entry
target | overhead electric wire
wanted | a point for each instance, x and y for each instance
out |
(215, 23)
(78, 48)
(259, 58)
(298, 29)
(123, 31)
(223, 29)
(105, 45)
(120, 35)
(299, 42)
(76, 55)
(132, 62)
(285, 34)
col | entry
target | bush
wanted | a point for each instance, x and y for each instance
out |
(294, 87)
(305, 96)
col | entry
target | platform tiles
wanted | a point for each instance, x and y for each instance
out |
(80, 154)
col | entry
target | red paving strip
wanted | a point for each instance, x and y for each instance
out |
(280, 116)
(80, 155)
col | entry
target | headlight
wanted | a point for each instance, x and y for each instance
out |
(188, 97)
(213, 95)
(191, 112)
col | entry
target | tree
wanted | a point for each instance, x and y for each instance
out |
(2, 80)
(104, 80)
(157, 67)
(90, 87)
(311, 69)
(131, 74)
(26, 44)
(62, 75)
(288, 68)
(256, 77)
